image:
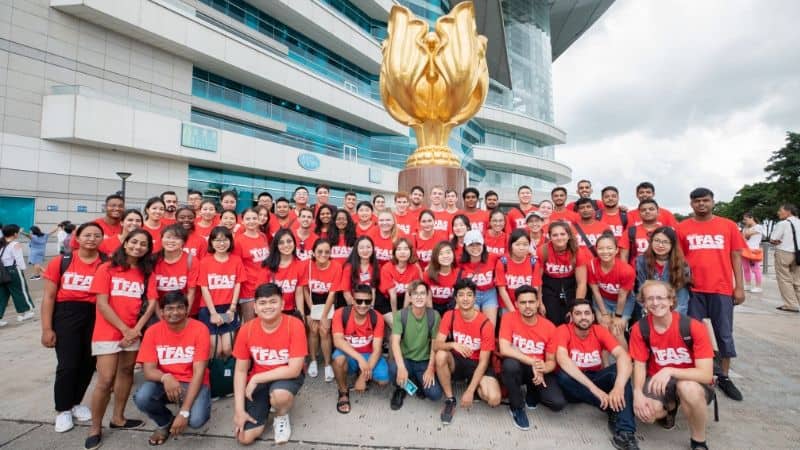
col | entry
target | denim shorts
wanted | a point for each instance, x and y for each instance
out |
(380, 372)
(486, 299)
(611, 307)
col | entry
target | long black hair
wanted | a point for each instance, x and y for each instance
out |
(273, 261)
(355, 264)
(349, 230)
(464, 219)
(8, 231)
(318, 221)
(145, 264)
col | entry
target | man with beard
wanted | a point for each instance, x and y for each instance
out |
(491, 201)
(588, 229)
(416, 195)
(560, 211)
(478, 218)
(612, 214)
(638, 236)
(517, 215)
(111, 223)
(170, 200)
(174, 355)
(646, 191)
(583, 379)
(584, 190)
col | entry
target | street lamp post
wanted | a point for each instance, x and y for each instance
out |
(124, 176)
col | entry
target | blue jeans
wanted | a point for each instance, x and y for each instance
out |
(152, 400)
(603, 379)
(380, 372)
(415, 371)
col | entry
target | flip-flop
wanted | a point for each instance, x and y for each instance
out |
(341, 403)
(159, 437)
(129, 423)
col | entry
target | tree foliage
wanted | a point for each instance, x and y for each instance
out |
(782, 185)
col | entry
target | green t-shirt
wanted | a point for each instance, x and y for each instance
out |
(416, 344)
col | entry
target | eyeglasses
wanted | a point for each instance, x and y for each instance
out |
(220, 241)
(362, 301)
(656, 298)
(660, 242)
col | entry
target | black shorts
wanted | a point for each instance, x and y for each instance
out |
(718, 308)
(670, 396)
(259, 407)
(464, 368)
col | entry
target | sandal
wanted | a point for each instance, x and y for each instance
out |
(344, 401)
(129, 424)
(158, 437)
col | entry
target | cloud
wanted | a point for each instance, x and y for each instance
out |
(681, 93)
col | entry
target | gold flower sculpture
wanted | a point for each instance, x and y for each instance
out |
(435, 80)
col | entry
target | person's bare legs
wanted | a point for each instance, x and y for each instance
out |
(123, 383)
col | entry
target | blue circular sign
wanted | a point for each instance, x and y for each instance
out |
(308, 162)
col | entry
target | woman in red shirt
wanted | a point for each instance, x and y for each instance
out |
(229, 220)
(195, 244)
(611, 280)
(362, 268)
(365, 224)
(496, 237)
(287, 271)
(520, 268)
(324, 221)
(460, 225)
(264, 217)
(176, 270)
(536, 233)
(324, 277)
(384, 236)
(441, 276)
(485, 270)
(121, 286)
(563, 269)
(395, 277)
(68, 316)
(252, 246)
(342, 236)
(131, 220)
(207, 220)
(220, 276)
(426, 238)
(153, 212)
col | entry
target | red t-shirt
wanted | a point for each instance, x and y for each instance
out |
(477, 334)
(391, 277)
(442, 221)
(270, 350)
(593, 231)
(707, 247)
(496, 244)
(665, 218)
(614, 222)
(124, 288)
(382, 246)
(324, 281)
(340, 251)
(559, 264)
(621, 276)
(196, 245)
(109, 245)
(359, 336)
(532, 340)
(175, 353)
(74, 285)
(177, 276)
(521, 273)
(220, 278)
(478, 220)
(516, 218)
(486, 275)
(442, 288)
(641, 240)
(407, 223)
(364, 277)
(668, 349)
(252, 251)
(109, 231)
(202, 231)
(289, 278)
(424, 247)
(585, 353)
(155, 233)
(567, 215)
(598, 205)
(304, 248)
(365, 231)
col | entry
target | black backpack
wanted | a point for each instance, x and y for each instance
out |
(452, 323)
(373, 317)
(585, 238)
(504, 262)
(66, 260)
(430, 319)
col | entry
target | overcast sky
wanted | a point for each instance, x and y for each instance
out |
(681, 93)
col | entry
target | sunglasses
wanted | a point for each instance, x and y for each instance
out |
(362, 301)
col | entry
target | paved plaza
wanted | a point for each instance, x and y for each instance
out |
(767, 372)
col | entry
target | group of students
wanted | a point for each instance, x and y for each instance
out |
(445, 283)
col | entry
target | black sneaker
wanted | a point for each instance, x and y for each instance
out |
(530, 400)
(448, 411)
(726, 385)
(520, 419)
(625, 440)
(397, 399)
(668, 421)
(93, 442)
(612, 420)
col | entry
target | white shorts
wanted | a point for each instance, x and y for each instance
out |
(112, 347)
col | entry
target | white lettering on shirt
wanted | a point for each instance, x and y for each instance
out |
(483, 278)
(340, 252)
(259, 254)
(287, 286)
(168, 354)
(441, 292)
(527, 346)
(319, 287)
(586, 360)
(221, 281)
(473, 343)
(269, 356)
(359, 341)
(76, 282)
(706, 241)
(424, 255)
(611, 288)
(515, 281)
(672, 356)
(170, 283)
(440, 225)
(121, 287)
(558, 268)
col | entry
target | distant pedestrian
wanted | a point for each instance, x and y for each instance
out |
(38, 245)
(16, 287)
(752, 255)
(786, 239)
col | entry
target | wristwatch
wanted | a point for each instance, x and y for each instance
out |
(618, 315)
(184, 414)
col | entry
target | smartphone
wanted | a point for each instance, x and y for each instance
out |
(411, 388)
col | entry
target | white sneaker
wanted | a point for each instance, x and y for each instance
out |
(27, 315)
(328, 374)
(3, 323)
(64, 422)
(312, 369)
(756, 290)
(81, 413)
(747, 288)
(282, 429)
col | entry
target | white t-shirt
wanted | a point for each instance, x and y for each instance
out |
(754, 241)
(13, 255)
(783, 232)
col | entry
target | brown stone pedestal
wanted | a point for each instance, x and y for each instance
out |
(450, 177)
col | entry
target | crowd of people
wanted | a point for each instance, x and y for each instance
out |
(548, 302)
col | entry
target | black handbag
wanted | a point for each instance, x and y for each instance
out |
(5, 275)
(794, 241)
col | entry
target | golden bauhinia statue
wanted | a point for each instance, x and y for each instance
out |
(434, 80)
